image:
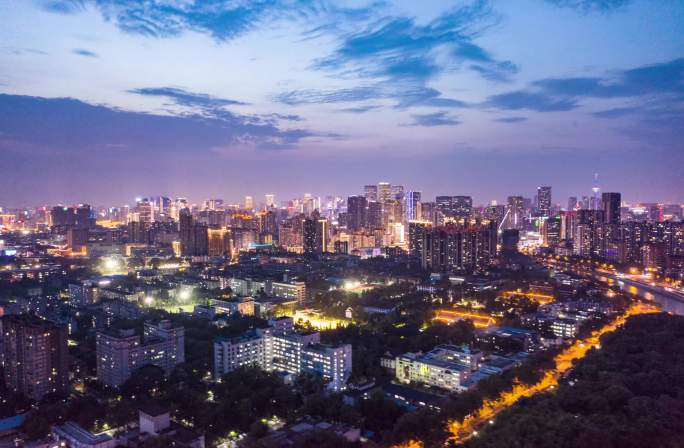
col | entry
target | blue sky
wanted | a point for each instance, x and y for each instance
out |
(106, 100)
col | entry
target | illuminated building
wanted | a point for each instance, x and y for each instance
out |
(370, 192)
(470, 246)
(458, 207)
(544, 201)
(144, 210)
(374, 215)
(270, 200)
(193, 236)
(565, 328)
(249, 203)
(515, 212)
(412, 200)
(443, 367)
(384, 192)
(120, 353)
(219, 242)
(77, 239)
(418, 238)
(35, 356)
(279, 348)
(80, 217)
(551, 230)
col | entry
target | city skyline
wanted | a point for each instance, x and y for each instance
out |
(101, 102)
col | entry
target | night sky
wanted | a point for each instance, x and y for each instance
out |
(104, 101)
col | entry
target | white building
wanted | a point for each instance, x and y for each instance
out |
(446, 367)
(279, 348)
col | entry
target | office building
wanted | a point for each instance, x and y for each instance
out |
(356, 212)
(544, 201)
(370, 192)
(515, 212)
(34, 355)
(412, 205)
(611, 208)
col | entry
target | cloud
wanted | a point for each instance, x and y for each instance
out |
(184, 98)
(434, 119)
(66, 124)
(360, 109)
(223, 20)
(519, 100)
(665, 77)
(591, 6)
(660, 83)
(400, 49)
(62, 6)
(511, 119)
(86, 53)
(405, 95)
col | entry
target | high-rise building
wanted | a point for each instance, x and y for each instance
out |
(356, 212)
(515, 211)
(572, 203)
(544, 201)
(370, 192)
(120, 353)
(468, 246)
(35, 356)
(397, 192)
(374, 215)
(249, 203)
(144, 210)
(412, 200)
(384, 192)
(193, 236)
(458, 207)
(270, 200)
(611, 207)
(219, 242)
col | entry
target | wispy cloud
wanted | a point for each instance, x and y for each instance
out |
(223, 20)
(591, 6)
(185, 98)
(405, 96)
(434, 119)
(84, 52)
(511, 119)
(400, 49)
(520, 100)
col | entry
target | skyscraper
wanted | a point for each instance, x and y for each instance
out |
(370, 192)
(384, 192)
(249, 203)
(412, 200)
(544, 201)
(356, 212)
(611, 207)
(515, 211)
(35, 356)
(270, 200)
(572, 203)
(459, 207)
